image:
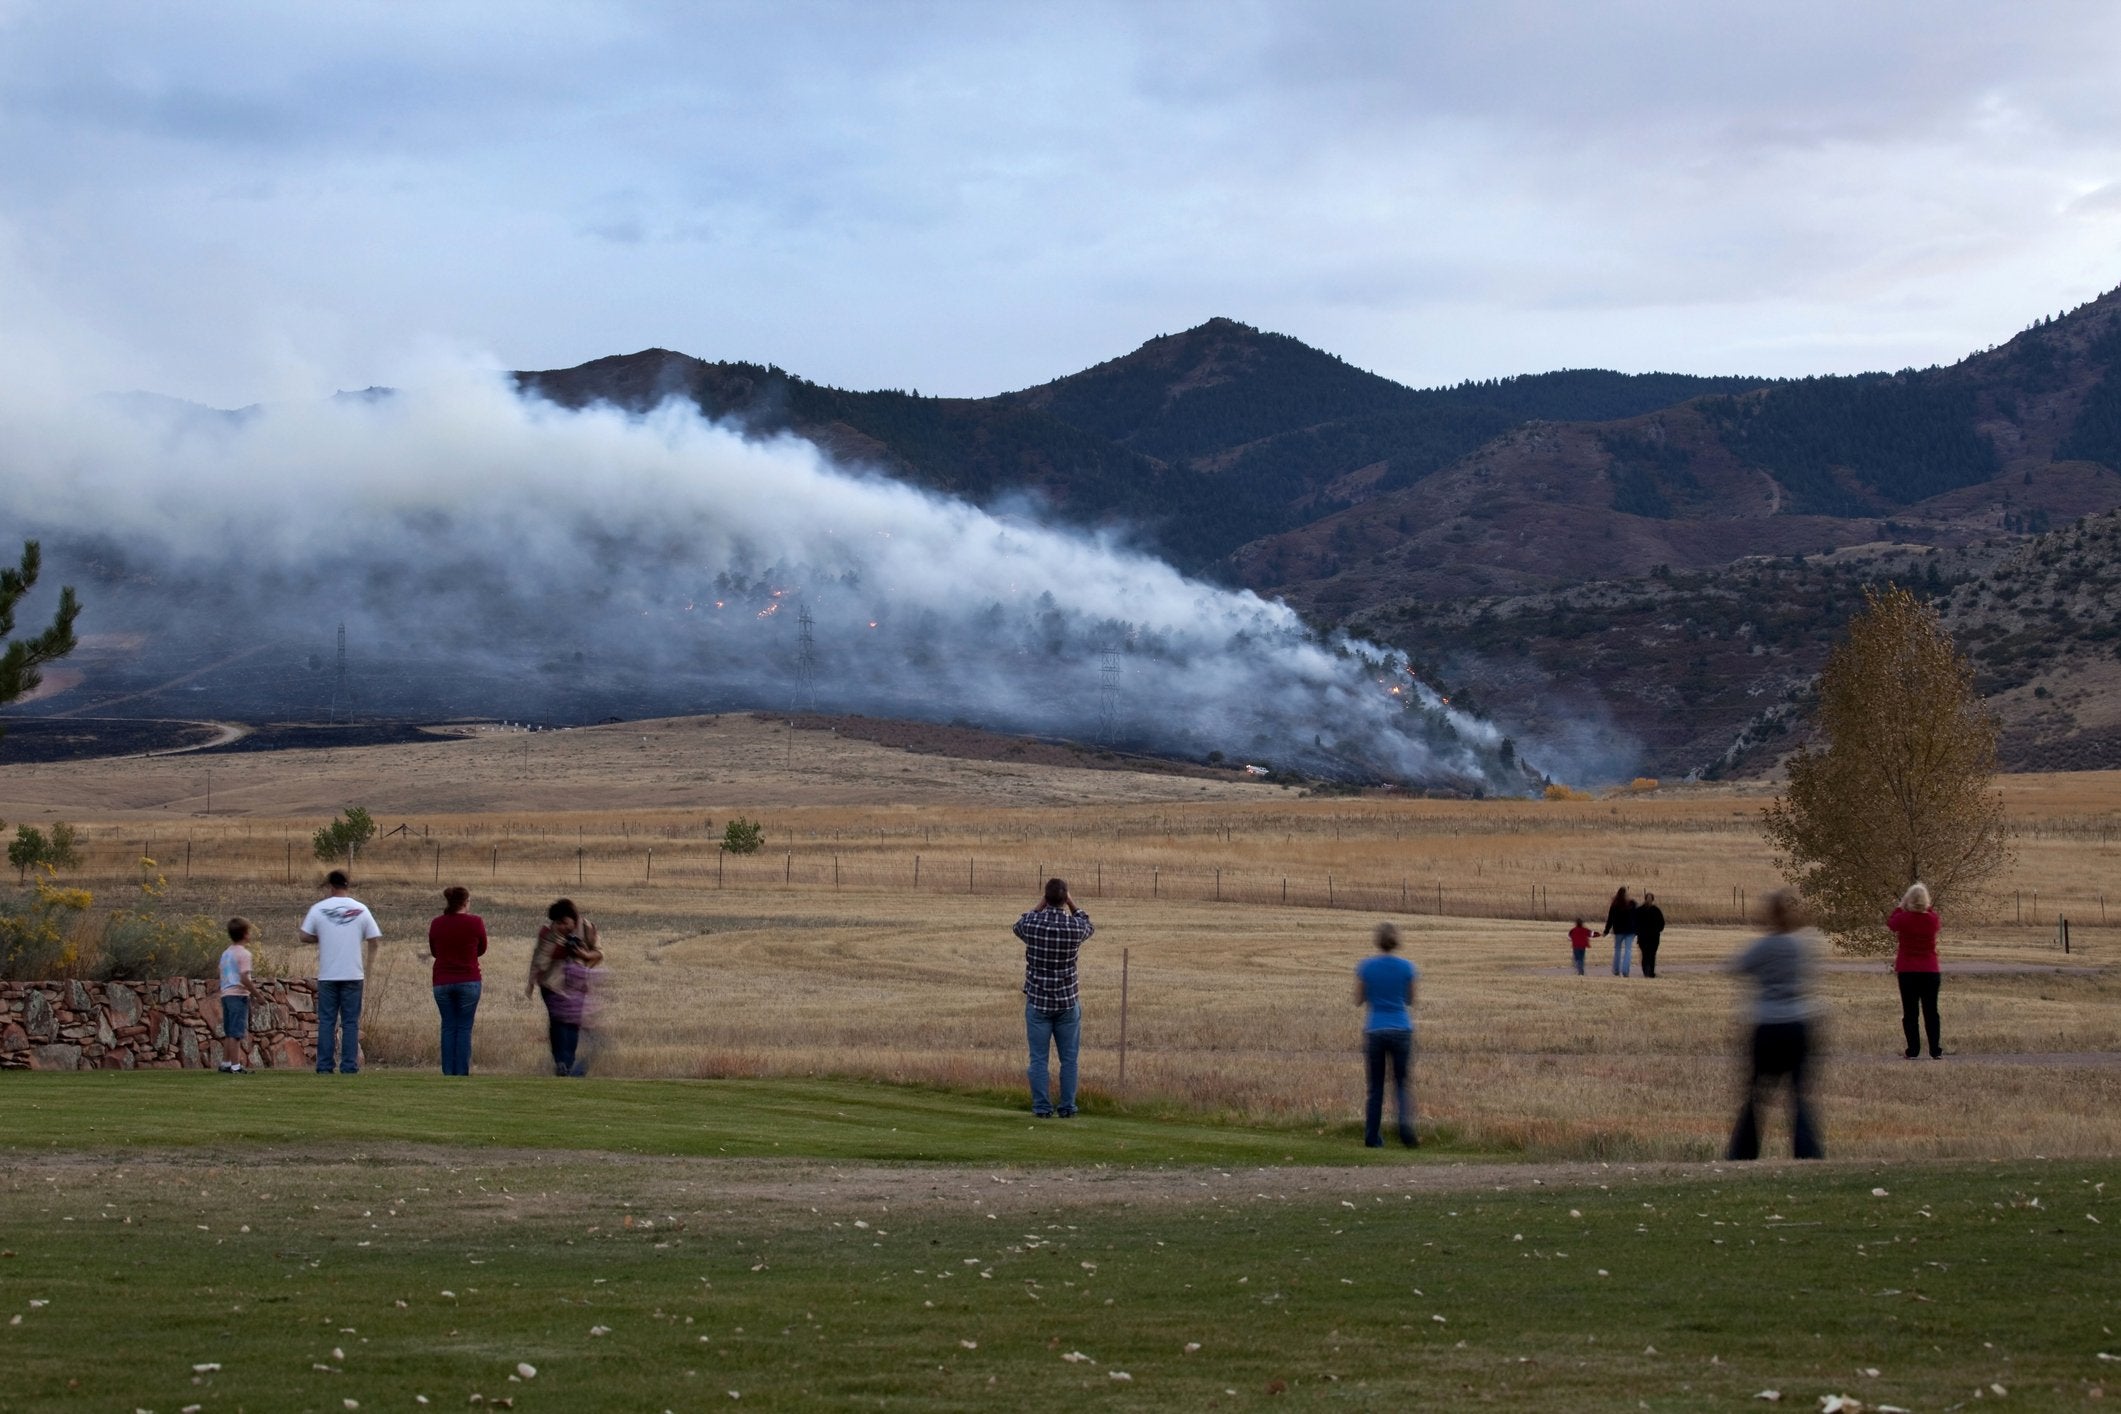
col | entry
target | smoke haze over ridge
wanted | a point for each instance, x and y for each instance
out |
(496, 555)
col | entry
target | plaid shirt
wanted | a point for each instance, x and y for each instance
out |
(1052, 937)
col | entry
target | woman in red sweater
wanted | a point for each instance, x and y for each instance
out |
(1916, 925)
(456, 941)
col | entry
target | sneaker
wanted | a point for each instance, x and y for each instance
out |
(1912, 1053)
(223, 1066)
(1937, 1054)
(1064, 1114)
(237, 1068)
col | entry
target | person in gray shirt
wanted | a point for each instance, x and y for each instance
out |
(1780, 967)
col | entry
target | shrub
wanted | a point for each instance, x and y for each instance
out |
(38, 940)
(27, 848)
(1642, 785)
(140, 946)
(743, 836)
(343, 838)
(1557, 791)
(33, 848)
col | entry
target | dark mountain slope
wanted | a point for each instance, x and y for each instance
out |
(2001, 441)
(1202, 441)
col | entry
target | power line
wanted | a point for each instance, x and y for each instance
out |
(805, 662)
(341, 688)
(1108, 698)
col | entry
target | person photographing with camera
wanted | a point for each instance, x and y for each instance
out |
(1053, 934)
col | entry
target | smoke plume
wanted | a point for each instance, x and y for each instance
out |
(496, 555)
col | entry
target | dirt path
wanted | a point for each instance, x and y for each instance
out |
(225, 733)
(536, 1181)
(1973, 967)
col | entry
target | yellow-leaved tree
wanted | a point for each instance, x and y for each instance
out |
(1899, 783)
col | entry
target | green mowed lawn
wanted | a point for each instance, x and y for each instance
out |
(301, 1268)
(855, 1121)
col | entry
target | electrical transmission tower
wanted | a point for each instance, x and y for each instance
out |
(341, 689)
(805, 662)
(1108, 698)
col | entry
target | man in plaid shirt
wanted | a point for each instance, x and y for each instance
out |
(1053, 934)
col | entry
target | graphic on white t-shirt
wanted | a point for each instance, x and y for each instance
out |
(340, 926)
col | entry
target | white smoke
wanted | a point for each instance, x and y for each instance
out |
(500, 555)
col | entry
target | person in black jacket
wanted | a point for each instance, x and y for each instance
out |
(1649, 930)
(1620, 924)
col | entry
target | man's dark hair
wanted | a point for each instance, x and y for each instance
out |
(1387, 937)
(336, 879)
(1056, 892)
(562, 908)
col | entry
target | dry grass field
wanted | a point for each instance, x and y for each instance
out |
(870, 937)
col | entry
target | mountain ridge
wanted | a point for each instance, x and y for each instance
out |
(1252, 458)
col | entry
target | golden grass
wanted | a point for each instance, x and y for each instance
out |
(762, 966)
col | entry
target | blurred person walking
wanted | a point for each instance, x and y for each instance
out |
(1053, 934)
(456, 940)
(559, 972)
(1620, 924)
(1385, 985)
(1780, 966)
(1916, 925)
(345, 934)
(1649, 932)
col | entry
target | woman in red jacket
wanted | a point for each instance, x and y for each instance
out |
(1916, 925)
(456, 941)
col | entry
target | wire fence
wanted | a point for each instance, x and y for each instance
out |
(691, 866)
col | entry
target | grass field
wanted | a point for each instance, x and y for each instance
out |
(162, 1252)
(870, 937)
(804, 1173)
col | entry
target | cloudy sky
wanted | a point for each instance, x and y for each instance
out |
(232, 201)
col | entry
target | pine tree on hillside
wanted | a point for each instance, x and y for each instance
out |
(24, 656)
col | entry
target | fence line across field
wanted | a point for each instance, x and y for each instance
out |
(567, 866)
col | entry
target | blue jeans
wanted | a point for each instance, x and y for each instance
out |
(565, 1038)
(459, 1003)
(1577, 953)
(1378, 1049)
(338, 1026)
(1044, 1029)
(1623, 954)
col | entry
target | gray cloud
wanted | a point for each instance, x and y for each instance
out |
(969, 197)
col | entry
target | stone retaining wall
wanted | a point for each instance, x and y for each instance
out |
(165, 1025)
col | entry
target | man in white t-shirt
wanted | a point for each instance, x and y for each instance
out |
(345, 934)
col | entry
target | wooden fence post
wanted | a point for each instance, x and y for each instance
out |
(1123, 953)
